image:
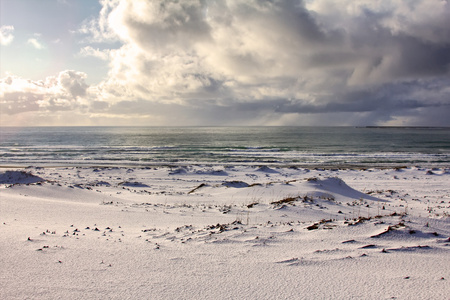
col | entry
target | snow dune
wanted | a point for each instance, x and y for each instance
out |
(198, 232)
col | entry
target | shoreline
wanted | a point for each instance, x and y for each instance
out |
(256, 165)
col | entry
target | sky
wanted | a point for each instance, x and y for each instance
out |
(224, 63)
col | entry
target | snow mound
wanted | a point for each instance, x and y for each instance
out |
(212, 172)
(178, 171)
(133, 184)
(19, 177)
(235, 184)
(100, 183)
(335, 185)
(266, 169)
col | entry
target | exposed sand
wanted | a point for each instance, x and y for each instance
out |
(204, 232)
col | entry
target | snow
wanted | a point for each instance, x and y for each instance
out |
(198, 232)
(19, 177)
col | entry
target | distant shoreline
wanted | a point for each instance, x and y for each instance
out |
(232, 126)
(173, 165)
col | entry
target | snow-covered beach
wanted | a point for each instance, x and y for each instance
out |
(232, 149)
(224, 232)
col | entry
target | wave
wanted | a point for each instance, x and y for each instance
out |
(196, 156)
(259, 146)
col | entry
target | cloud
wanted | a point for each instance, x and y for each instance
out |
(348, 57)
(68, 91)
(99, 30)
(6, 35)
(261, 62)
(90, 51)
(35, 43)
(73, 83)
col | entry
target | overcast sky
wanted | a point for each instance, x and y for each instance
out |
(225, 62)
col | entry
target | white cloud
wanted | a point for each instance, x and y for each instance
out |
(65, 92)
(90, 51)
(259, 62)
(35, 43)
(6, 35)
(99, 30)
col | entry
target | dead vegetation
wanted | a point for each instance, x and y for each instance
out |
(287, 200)
(197, 188)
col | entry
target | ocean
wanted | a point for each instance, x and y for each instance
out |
(278, 146)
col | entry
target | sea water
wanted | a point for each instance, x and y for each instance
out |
(283, 146)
